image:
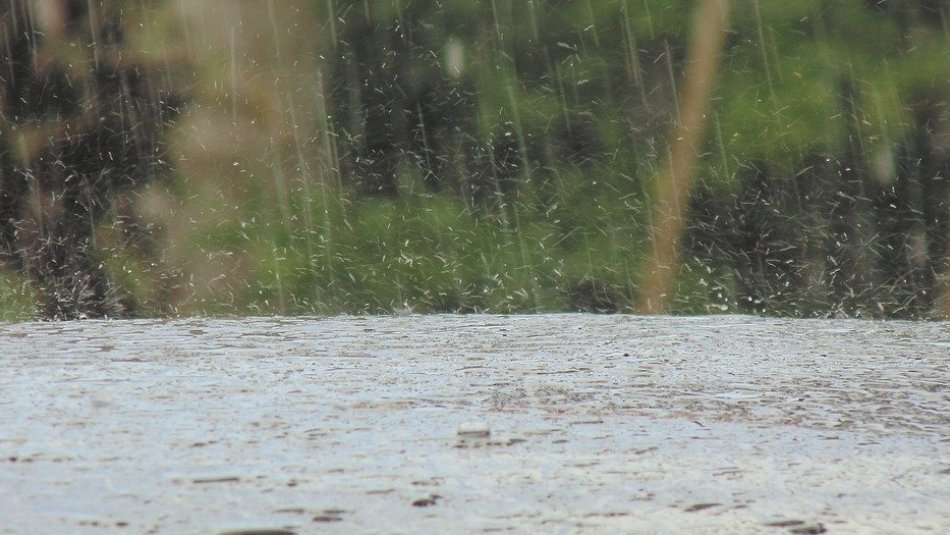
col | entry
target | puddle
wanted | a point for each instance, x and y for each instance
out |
(527, 424)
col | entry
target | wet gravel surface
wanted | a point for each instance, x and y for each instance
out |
(471, 424)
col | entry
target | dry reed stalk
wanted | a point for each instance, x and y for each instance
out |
(686, 137)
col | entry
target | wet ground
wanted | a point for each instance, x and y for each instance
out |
(471, 424)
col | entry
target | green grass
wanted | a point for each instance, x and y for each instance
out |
(16, 299)
(435, 253)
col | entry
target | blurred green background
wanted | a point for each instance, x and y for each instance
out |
(338, 156)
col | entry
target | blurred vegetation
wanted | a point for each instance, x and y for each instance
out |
(495, 155)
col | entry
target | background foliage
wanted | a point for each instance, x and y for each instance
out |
(498, 155)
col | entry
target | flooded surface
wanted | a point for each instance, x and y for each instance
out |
(435, 424)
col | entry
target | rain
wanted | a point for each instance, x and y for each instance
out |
(173, 158)
(589, 266)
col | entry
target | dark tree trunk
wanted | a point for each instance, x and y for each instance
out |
(76, 131)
